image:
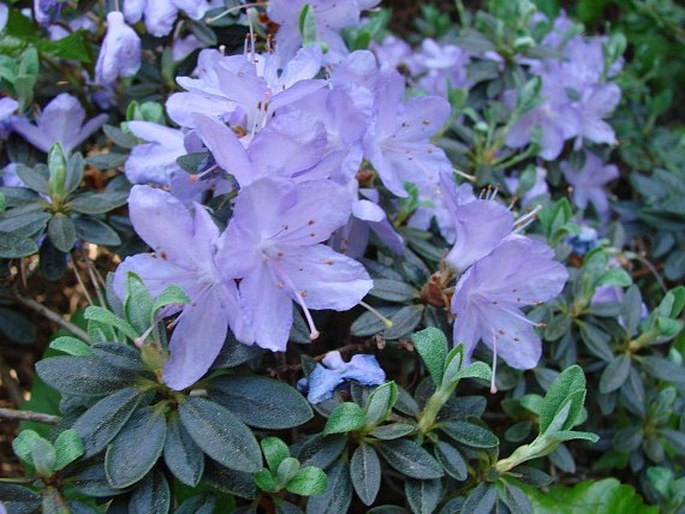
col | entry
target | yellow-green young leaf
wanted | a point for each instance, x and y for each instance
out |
(71, 345)
(309, 481)
(307, 25)
(569, 381)
(275, 451)
(287, 470)
(35, 451)
(68, 448)
(346, 417)
(431, 345)
(453, 364)
(380, 403)
(265, 481)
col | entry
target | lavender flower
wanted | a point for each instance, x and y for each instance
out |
(392, 52)
(154, 162)
(556, 118)
(333, 371)
(160, 15)
(479, 225)
(188, 257)
(7, 107)
(488, 299)
(120, 51)
(60, 122)
(440, 66)
(45, 11)
(290, 146)
(398, 141)
(588, 182)
(4, 14)
(330, 16)
(272, 244)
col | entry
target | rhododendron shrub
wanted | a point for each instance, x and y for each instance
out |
(314, 266)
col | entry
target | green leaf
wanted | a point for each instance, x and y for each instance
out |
(221, 435)
(338, 495)
(35, 451)
(469, 434)
(127, 462)
(266, 481)
(615, 277)
(75, 167)
(172, 295)
(68, 448)
(431, 345)
(261, 402)
(103, 421)
(182, 456)
(275, 451)
(453, 363)
(287, 469)
(365, 471)
(514, 498)
(660, 479)
(151, 496)
(607, 495)
(309, 481)
(102, 315)
(380, 403)
(410, 459)
(569, 381)
(346, 417)
(71, 345)
(423, 496)
(307, 25)
(475, 370)
(137, 303)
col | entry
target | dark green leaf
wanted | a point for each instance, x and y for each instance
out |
(13, 246)
(410, 459)
(229, 481)
(261, 402)
(320, 451)
(380, 403)
(98, 203)
(338, 495)
(182, 456)
(220, 434)
(451, 460)
(393, 431)
(469, 434)
(365, 471)
(16, 327)
(481, 500)
(85, 376)
(127, 463)
(18, 499)
(151, 496)
(663, 369)
(615, 374)
(404, 321)
(423, 496)
(515, 499)
(96, 232)
(61, 232)
(393, 290)
(203, 503)
(93, 482)
(103, 421)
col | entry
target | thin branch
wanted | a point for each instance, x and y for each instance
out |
(27, 415)
(12, 386)
(51, 315)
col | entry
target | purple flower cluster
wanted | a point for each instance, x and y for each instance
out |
(503, 271)
(576, 96)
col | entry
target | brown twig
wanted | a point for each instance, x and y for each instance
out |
(51, 315)
(27, 415)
